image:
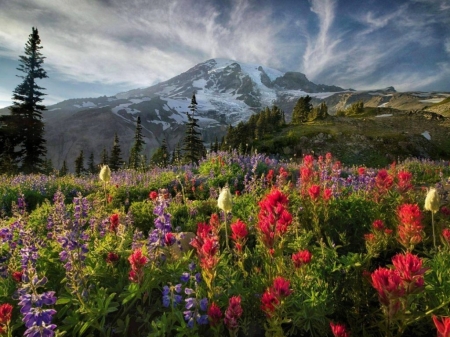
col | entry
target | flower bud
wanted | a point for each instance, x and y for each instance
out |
(432, 201)
(105, 173)
(224, 201)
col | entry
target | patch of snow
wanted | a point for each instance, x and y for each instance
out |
(201, 83)
(124, 106)
(180, 119)
(432, 100)
(383, 105)
(54, 109)
(157, 113)
(85, 105)
(384, 115)
(165, 125)
(426, 134)
(139, 100)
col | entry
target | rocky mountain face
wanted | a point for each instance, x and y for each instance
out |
(227, 92)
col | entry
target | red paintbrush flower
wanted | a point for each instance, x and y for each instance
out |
(314, 192)
(214, 314)
(280, 287)
(442, 326)
(113, 223)
(339, 330)
(153, 195)
(112, 257)
(302, 257)
(17, 276)
(233, 313)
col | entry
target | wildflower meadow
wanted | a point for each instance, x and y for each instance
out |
(237, 245)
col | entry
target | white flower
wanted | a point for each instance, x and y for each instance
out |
(224, 202)
(432, 201)
(105, 173)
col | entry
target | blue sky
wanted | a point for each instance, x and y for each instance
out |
(103, 47)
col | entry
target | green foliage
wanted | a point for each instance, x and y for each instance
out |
(115, 159)
(302, 109)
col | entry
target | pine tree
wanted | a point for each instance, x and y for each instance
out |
(26, 112)
(193, 148)
(135, 154)
(91, 165)
(162, 156)
(302, 110)
(79, 164)
(8, 161)
(105, 157)
(115, 160)
(64, 170)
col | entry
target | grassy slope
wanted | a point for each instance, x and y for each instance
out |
(365, 139)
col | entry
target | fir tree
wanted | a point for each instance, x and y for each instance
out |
(24, 126)
(105, 157)
(161, 157)
(64, 170)
(79, 164)
(193, 148)
(135, 154)
(302, 110)
(115, 160)
(8, 160)
(91, 165)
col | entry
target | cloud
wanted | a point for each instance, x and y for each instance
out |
(139, 42)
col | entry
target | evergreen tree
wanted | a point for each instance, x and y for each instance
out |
(193, 148)
(161, 157)
(115, 160)
(135, 153)
(91, 165)
(64, 170)
(79, 164)
(48, 167)
(302, 110)
(105, 157)
(26, 113)
(8, 161)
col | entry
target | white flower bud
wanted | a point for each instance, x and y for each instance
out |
(432, 201)
(224, 202)
(105, 173)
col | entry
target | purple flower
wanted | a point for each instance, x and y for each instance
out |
(185, 277)
(204, 304)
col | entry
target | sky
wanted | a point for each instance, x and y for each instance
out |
(103, 47)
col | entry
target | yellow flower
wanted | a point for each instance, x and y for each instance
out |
(224, 202)
(105, 173)
(432, 201)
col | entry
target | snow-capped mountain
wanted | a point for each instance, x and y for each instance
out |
(227, 92)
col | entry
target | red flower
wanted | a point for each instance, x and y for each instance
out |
(114, 222)
(404, 181)
(112, 257)
(273, 218)
(445, 210)
(314, 192)
(169, 239)
(214, 314)
(442, 326)
(369, 237)
(282, 173)
(269, 176)
(302, 257)
(328, 157)
(5, 313)
(153, 195)
(137, 259)
(446, 234)
(383, 180)
(361, 171)
(204, 230)
(17, 276)
(410, 229)
(306, 174)
(339, 330)
(410, 269)
(239, 230)
(233, 313)
(378, 225)
(308, 160)
(388, 284)
(269, 303)
(327, 194)
(280, 287)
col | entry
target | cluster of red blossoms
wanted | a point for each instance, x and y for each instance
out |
(207, 245)
(233, 313)
(395, 284)
(301, 258)
(339, 330)
(138, 262)
(384, 181)
(273, 218)
(5, 317)
(410, 228)
(239, 234)
(314, 193)
(114, 223)
(274, 295)
(442, 326)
